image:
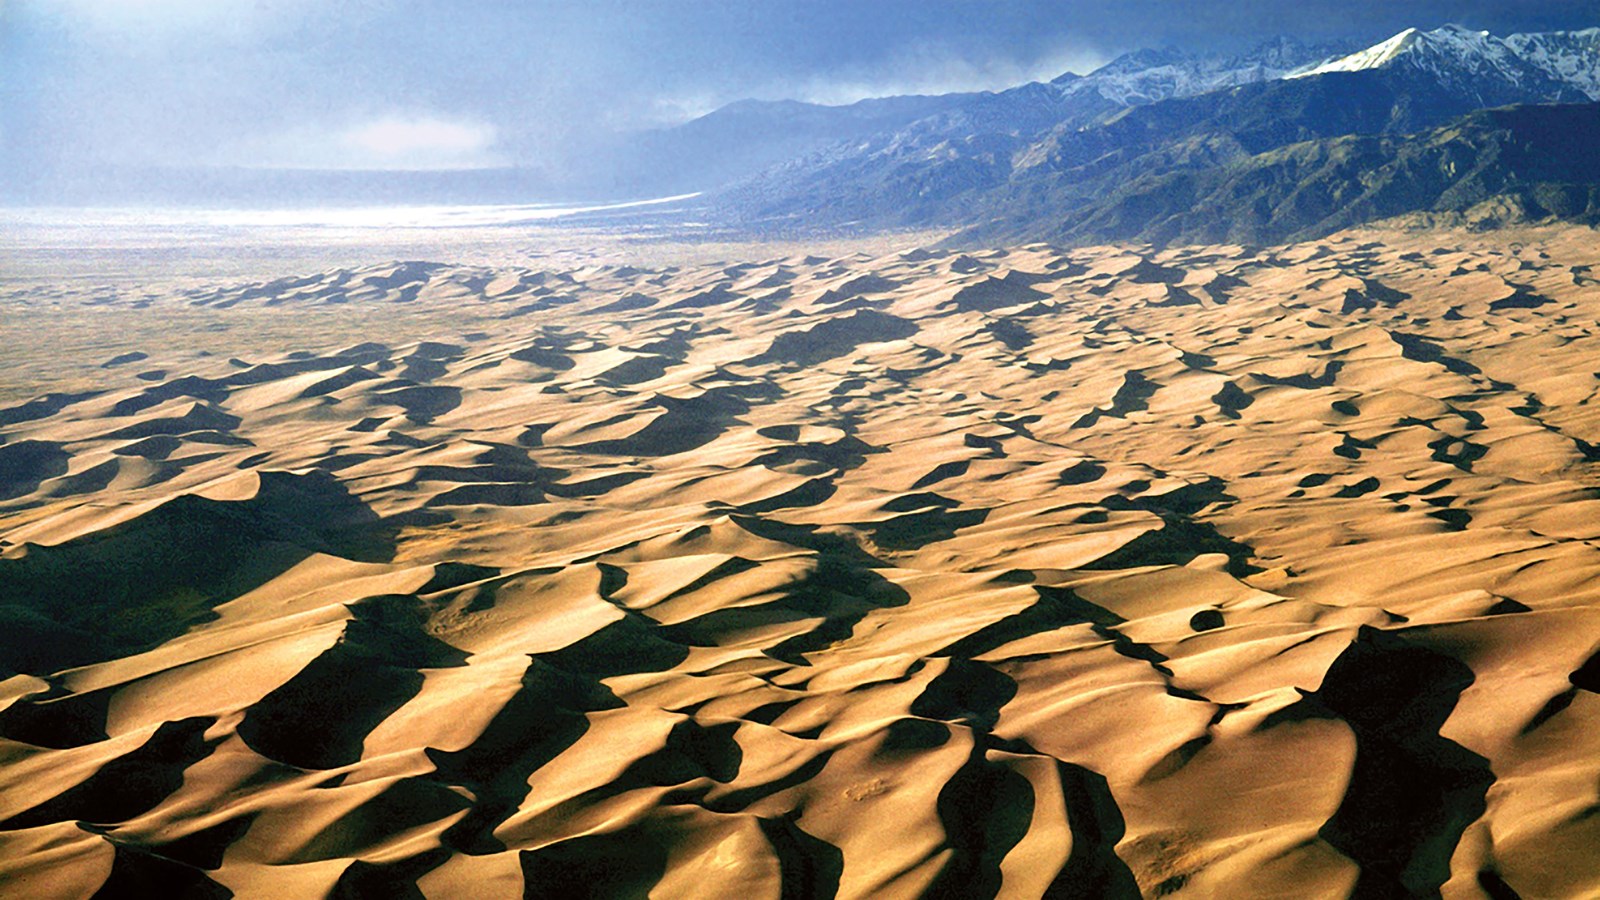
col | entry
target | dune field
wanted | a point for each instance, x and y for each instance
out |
(1202, 572)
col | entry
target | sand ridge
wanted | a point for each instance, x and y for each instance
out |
(1022, 573)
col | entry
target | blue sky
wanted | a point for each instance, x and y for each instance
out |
(406, 84)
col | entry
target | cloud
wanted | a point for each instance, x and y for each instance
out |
(125, 21)
(391, 142)
(419, 142)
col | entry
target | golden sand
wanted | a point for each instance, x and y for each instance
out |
(1205, 572)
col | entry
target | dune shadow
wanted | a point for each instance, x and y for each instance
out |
(140, 583)
(1412, 792)
(25, 465)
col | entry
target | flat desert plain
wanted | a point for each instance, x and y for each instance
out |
(1199, 572)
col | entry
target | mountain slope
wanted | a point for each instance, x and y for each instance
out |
(741, 139)
(951, 181)
(946, 171)
(1513, 164)
(1571, 56)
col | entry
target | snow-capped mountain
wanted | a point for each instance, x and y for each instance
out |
(1439, 73)
(1459, 58)
(1118, 151)
(1004, 121)
(1571, 56)
(1147, 76)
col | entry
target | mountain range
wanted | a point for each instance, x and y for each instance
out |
(1285, 141)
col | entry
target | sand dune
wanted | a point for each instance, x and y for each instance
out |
(1214, 571)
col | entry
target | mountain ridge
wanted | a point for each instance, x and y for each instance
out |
(1512, 165)
(1000, 159)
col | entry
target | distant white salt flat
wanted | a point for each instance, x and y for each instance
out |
(333, 217)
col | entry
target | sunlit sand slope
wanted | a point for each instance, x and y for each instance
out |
(1209, 572)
